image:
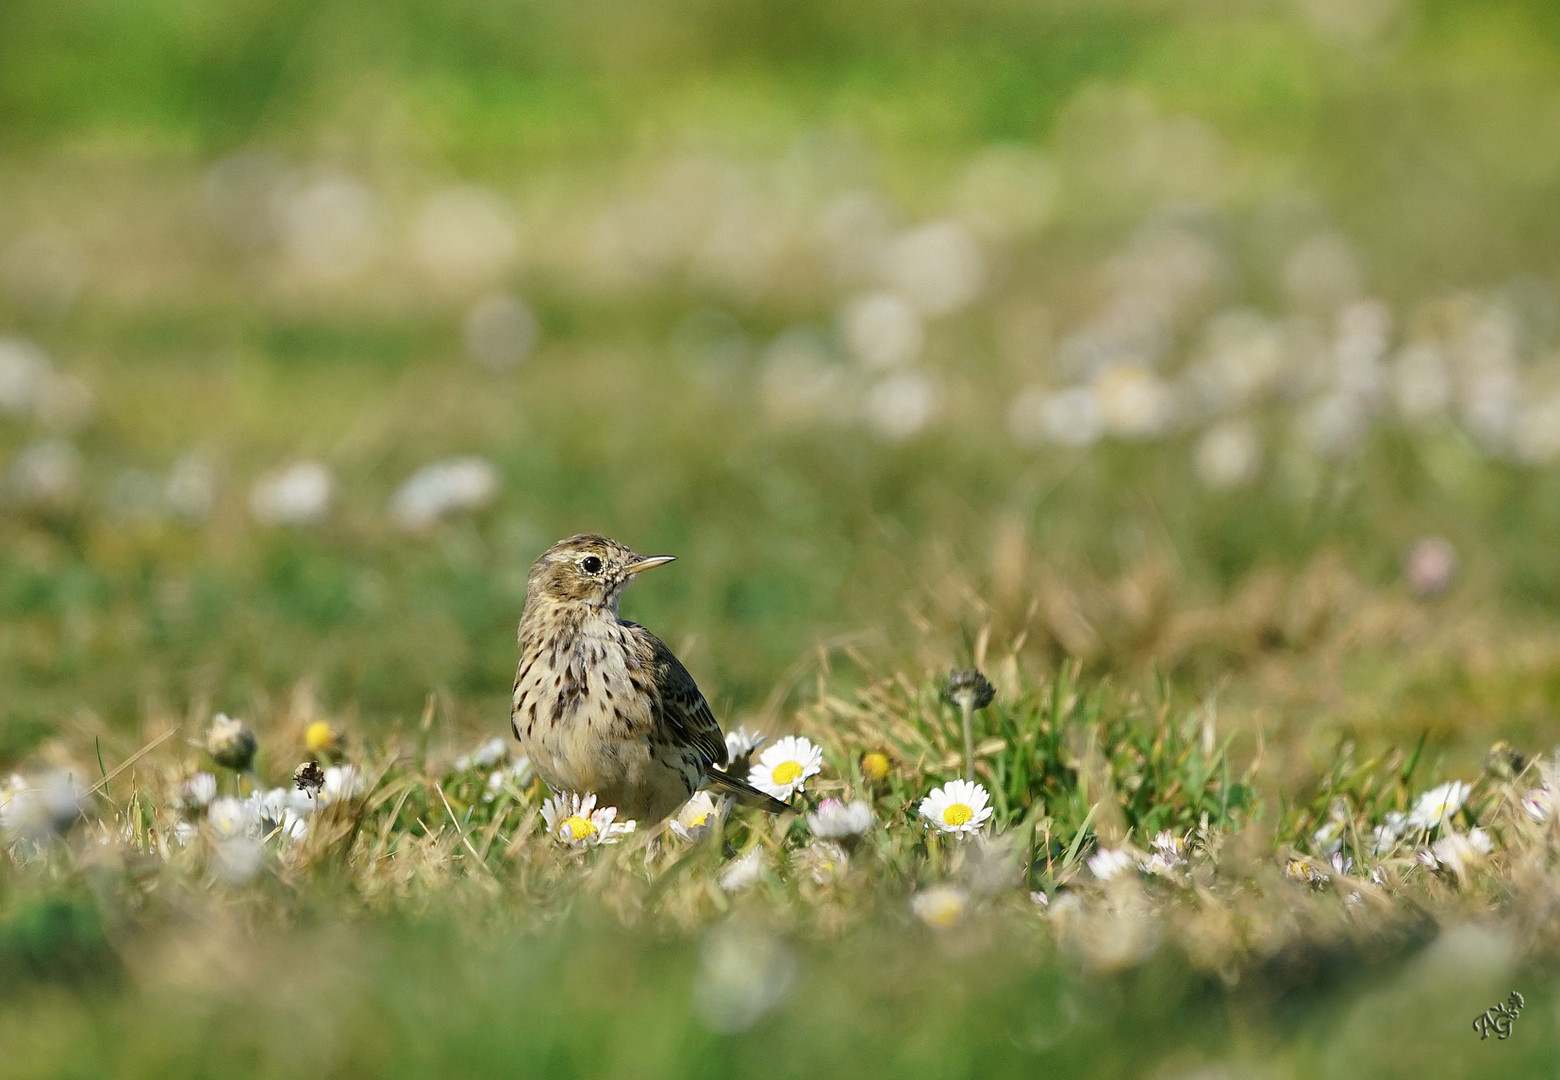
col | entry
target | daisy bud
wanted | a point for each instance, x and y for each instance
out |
(309, 778)
(969, 689)
(1504, 761)
(230, 743)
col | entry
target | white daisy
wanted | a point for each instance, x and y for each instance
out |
(742, 742)
(959, 806)
(1456, 852)
(341, 782)
(1438, 804)
(514, 775)
(823, 861)
(1384, 837)
(742, 871)
(1540, 802)
(485, 756)
(1168, 856)
(835, 820)
(1106, 863)
(574, 820)
(698, 815)
(783, 769)
(940, 905)
(198, 791)
(230, 817)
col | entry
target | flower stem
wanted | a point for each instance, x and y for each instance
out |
(969, 739)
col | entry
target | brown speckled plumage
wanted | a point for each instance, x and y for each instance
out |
(600, 704)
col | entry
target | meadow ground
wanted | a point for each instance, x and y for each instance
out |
(1193, 372)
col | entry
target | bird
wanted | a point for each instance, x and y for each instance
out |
(600, 704)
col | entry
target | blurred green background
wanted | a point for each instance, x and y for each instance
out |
(797, 293)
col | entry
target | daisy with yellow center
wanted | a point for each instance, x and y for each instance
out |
(574, 820)
(959, 806)
(698, 815)
(783, 768)
(940, 906)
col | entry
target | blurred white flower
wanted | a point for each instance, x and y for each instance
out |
(1539, 803)
(296, 494)
(485, 756)
(741, 742)
(802, 380)
(1242, 358)
(341, 782)
(959, 806)
(1438, 804)
(941, 906)
(446, 487)
(783, 768)
(198, 791)
(823, 861)
(1536, 438)
(46, 474)
(1384, 837)
(515, 775)
(1070, 417)
(1229, 455)
(191, 487)
(237, 858)
(882, 330)
(699, 815)
(743, 974)
(25, 372)
(1168, 856)
(499, 331)
(1456, 852)
(938, 267)
(230, 817)
(576, 821)
(743, 871)
(901, 405)
(464, 234)
(35, 808)
(1107, 864)
(328, 221)
(835, 819)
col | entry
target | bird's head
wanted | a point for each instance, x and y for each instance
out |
(586, 570)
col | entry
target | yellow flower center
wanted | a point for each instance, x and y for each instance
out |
(957, 814)
(578, 828)
(319, 737)
(874, 766)
(787, 772)
(700, 820)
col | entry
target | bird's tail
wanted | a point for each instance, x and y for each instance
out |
(746, 794)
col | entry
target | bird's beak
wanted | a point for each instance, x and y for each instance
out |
(646, 564)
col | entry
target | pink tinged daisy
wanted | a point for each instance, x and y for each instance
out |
(959, 806)
(783, 768)
(836, 820)
(574, 820)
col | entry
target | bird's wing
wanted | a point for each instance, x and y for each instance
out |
(679, 705)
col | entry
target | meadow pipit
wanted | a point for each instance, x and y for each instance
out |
(600, 704)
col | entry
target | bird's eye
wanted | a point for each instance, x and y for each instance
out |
(590, 564)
